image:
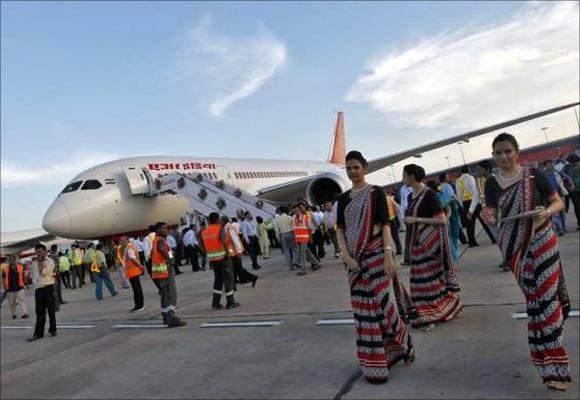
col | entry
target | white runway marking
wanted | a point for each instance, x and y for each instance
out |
(240, 324)
(138, 326)
(57, 327)
(344, 321)
(523, 315)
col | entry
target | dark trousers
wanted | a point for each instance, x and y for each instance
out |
(58, 291)
(168, 292)
(223, 282)
(575, 197)
(395, 235)
(203, 258)
(253, 249)
(332, 235)
(241, 275)
(44, 302)
(178, 254)
(65, 277)
(137, 292)
(192, 257)
(318, 239)
(142, 257)
(272, 238)
(470, 223)
(76, 271)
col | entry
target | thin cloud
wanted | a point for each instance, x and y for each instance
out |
(16, 174)
(459, 79)
(235, 67)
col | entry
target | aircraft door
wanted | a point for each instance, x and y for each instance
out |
(138, 180)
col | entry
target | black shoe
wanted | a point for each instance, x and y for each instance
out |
(52, 334)
(254, 281)
(63, 302)
(34, 338)
(473, 244)
(217, 306)
(164, 316)
(178, 273)
(232, 305)
(175, 323)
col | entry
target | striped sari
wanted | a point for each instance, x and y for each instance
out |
(382, 337)
(533, 257)
(434, 283)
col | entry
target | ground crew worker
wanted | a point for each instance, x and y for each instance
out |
(118, 257)
(64, 268)
(42, 271)
(163, 275)
(133, 270)
(468, 197)
(99, 270)
(302, 228)
(235, 250)
(76, 266)
(13, 283)
(213, 240)
(147, 248)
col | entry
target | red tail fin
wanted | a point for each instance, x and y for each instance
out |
(337, 154)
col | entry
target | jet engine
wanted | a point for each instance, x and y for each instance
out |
(326, 186)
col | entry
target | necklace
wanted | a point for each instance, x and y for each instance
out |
(358, 190)
(511, 178)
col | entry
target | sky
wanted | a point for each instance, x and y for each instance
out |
(87, 82)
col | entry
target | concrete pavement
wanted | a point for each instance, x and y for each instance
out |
(483, 354)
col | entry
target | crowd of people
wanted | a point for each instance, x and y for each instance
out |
(518, 207)
(521, 209)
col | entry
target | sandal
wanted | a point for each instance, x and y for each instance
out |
(557, 385)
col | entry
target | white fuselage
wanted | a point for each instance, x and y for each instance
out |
(102, 204)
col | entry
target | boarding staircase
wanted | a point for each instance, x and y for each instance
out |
(205, 196)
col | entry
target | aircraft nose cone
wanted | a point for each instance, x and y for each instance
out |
(57, 219)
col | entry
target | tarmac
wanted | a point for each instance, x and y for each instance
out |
(482, 354)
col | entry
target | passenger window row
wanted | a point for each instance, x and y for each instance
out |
(269, 174)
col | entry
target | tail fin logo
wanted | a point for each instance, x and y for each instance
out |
(337, 154)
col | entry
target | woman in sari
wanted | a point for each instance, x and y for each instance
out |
(365, 245)
(521, 201)
(434, 284)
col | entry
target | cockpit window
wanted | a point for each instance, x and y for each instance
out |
(71, 187)
(91, 184)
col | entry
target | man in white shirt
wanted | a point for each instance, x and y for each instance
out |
(190, 243)
(147, 247)
(173, 246)
(140, 249)
(404, 192)
(468, 196)
(286, 229)
(317, 235)
(249, 231)
(42, 271)
(330, 222)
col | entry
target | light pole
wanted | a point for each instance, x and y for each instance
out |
(461, 148)
(545, 129)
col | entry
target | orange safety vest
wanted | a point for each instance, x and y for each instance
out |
(95, 264)
(212, 243)
(119, 254)
(159, 268)
(301, 229)
(231, 247)
(132, 268)
(391, 208)
(6, 277)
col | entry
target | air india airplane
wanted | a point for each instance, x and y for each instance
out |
(100, 203)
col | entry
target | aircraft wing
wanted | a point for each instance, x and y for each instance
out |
(382, 162)
(281, 193)
(14, 242)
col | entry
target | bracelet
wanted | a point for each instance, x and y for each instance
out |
(388, 248)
